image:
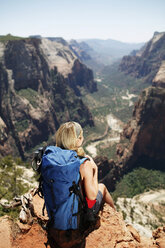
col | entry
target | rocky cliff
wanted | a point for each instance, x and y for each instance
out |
(148, 63)
(111, 232)
(142, 140)
(86, 54)
(40, 87)
(143, 137)
(81, 49)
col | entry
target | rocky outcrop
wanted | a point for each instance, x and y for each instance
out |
(159, 236)
(81, 49)
(148, 63)
(39, 83)
(81, 78)
(142, 140)
(58, 54)
(145, 211)
(159, 79)
(86, 54)
(113, 232)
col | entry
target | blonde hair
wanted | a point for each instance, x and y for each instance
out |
(67, 135)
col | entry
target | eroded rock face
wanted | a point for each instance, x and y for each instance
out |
(39, 84)
(159, 79)
(148, 63)
(145, 133)
(80, 77)
(26, 63)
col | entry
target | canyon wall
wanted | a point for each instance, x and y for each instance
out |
(142, 141)
(41, 83)
(147, 63)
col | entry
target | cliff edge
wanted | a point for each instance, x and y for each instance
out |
(112, 233)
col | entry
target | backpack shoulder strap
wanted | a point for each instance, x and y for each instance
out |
(83, 159)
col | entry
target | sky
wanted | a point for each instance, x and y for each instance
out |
(130, 21)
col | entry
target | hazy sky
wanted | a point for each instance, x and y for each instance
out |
(124, 20)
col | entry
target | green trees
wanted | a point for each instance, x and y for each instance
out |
(138, 181)
(11, 184)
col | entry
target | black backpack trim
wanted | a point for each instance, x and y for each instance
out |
(86, 216)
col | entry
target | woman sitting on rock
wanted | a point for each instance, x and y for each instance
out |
(69, 137)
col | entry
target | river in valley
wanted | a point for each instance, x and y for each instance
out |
(116, 127)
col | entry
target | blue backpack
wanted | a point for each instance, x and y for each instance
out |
(59, 182)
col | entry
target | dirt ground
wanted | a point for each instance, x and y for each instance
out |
(36, 238)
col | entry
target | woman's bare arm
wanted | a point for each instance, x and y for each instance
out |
(89, 174)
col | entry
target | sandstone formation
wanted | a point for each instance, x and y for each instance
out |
(112, 233)
(81, 49)
(40, 86)
(143, 137)
(159, 79)
(148, 63)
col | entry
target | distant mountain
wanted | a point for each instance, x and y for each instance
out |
(96, 53)
(149, 62)
(108, 51)
(86, 54)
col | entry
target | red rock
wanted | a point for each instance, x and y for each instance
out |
(112, 233)
(5, 232)
(24, 228)
(134, 232)
(35, 238)
(159, 235)
(38, 204)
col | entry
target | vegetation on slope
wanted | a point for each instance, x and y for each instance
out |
(11, 184)
(138, 181)
(114, 89)
(4, 38)
(112, 86)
